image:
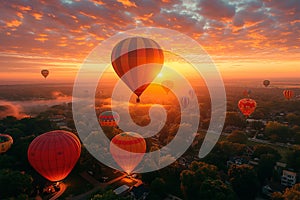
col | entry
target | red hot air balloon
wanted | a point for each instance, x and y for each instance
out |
(288, 94)
(167, 85)
(54, 154)
(128, 149)
(247, 106)
(45, 73)
(109, 118)
(142, 54)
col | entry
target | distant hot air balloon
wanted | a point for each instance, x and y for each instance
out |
(288, 94)
(45, 73)
(167, 85)
(128, 149)
(5, 142)
(247, 106)
(109, 118)
(185, 101)
(54, 154)
(266, 83)
(142, 54)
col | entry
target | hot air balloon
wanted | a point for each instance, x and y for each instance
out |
(185, 101)
(167, 85)
(266, 83)
(142, 54)
(288, 94)
(54, 154)
(109, 118)
(5, 142)
(128, 149)
(45, 73)
(247, 106)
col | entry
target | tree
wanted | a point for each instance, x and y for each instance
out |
(234, 119)
(244, 181)
(216, 190)
(158, 188)
(293, 159)
(276, 196)
(109, 195)
(222, 152)
(237, 137)
(261, 149)
(293, 119)
(277, 132)
(266, 166)
(14, 183)
(292, 193)
(192, 179)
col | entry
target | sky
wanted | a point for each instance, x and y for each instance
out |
(245, 38)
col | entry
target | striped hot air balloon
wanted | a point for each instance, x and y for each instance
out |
(109, 118)
(54, 154)
(247, 106)
(142, 54)
(128, 149)
(184, 101)
(288, 94)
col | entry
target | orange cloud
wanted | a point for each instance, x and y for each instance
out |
(13, 23)
(127, 3)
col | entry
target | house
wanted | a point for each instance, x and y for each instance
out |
(288, 178)
(139, 192)
(237, 161)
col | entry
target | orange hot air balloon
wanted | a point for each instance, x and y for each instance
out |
(247, 106)
(54, 154)
(142, 54)
(288, 94)
(45, 73)
(109, 118)
(128, 149)
(167, 85)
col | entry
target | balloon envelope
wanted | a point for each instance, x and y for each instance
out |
(247, 106)
(288, 94)
(45, 73)
(5, 142)
(54, 154)
(143, 54)
(266, 83)
(109, 118)
(128, 149)
(185, 101)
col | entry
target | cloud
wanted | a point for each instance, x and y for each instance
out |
(216, 9)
